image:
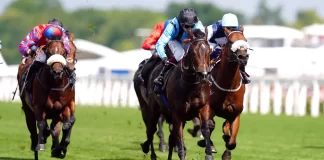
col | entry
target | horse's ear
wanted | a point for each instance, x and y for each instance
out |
(71, 36)
(191, 35)
(227, 31)
(242, 28)
(47, 41)
(187, 40)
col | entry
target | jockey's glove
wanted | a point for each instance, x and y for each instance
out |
(165, 60)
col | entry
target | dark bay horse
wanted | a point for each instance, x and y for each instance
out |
(186, 96)
(50, 98)
(227, 90)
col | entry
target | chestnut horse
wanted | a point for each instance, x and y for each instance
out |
(186, 95)
(227, 90)
(50, 98)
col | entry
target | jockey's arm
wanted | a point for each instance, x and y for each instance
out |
(31, 39)
(150, 41)
(66, 42)
(166, 36)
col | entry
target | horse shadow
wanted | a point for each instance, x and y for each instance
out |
(313, 147)
(13, 158)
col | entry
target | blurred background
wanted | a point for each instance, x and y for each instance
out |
(286, 65)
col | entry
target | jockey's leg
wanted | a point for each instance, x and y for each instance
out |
(245, 76)
(178, 52)
(39, 61)
(72, 77)
(146, 67)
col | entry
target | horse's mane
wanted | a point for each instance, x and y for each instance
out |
(198, 33)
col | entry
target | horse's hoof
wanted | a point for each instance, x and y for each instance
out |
(40, 147)
(153, 156)
(58, 153)
(195, 133)
(145, 148)
(201, 143)
(213, 148)
(209, 157)
(227, 155)
(163, 147)
(230, 146)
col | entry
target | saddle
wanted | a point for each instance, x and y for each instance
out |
(166, 78)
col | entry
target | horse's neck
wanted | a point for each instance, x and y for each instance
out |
(227, 74)
(188, 79)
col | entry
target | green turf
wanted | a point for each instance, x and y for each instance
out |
(115, 134)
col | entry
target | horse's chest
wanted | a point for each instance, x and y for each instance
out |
(197, 102)
(57, 102)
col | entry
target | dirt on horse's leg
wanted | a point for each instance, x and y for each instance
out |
(205, 130)
(162, 146)
(41, 124)
(31, 125)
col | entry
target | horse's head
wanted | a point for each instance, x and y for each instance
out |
(56, 52)
(196, 60)
(236, 47)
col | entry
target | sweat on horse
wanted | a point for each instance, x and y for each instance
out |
(50, 97)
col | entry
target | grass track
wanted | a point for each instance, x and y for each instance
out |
(115, 134)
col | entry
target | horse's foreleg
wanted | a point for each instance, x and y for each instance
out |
(68, 122)
(205, 130)
(235, 125)
(226, 137)
(162, 146)
(177, 131)
(55, 132)
(41, 124)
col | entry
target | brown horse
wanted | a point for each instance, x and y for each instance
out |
(50, 98)
(186, 96)
(227, 91)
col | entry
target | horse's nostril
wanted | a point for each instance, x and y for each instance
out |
(243, 56)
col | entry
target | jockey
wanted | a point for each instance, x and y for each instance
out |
(217, 38)
(173, 34)
(59, 23)
(36, 38)
(149, 44)
(71, 72)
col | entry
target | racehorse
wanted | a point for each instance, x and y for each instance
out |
(50, 98)
(227, 90)
(185, 96)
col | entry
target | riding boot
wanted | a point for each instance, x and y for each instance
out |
(32, 71)
(245, 76)
(158, 81)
